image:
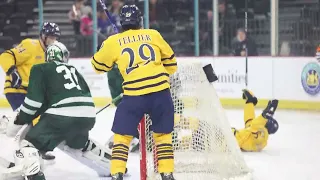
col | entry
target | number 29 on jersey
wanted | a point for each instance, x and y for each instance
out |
(141, 56)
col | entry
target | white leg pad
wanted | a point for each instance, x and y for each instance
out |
(28, 157)
(92, 157)
(4, 163)
(12, 129)
(3, 124)
(27, 162)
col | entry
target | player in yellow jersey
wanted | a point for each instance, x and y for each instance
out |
(17, 63)
(254, 137)
(145, 61)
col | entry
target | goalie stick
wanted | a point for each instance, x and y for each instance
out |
(113, 101)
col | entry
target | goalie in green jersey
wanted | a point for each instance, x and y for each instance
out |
(60, 95)
(115, 81)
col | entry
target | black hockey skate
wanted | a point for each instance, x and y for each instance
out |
(270, 109)
(167, 176)
(249, 97)
(47, 156)
(38, 176)
(118, 176)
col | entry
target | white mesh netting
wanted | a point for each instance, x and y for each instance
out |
(204, 146)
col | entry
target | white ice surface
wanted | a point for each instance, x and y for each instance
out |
(291, 154)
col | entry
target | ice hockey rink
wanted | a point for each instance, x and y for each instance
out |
(292, 153)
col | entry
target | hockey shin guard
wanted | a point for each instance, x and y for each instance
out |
(164, 152)
(120, 152)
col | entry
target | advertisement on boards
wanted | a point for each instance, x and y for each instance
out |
(231, 76)
(310, 78)
(296, 78)
(287, 78)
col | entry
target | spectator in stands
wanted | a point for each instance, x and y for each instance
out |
(103, 21)
(75, 15)
(239, 6)
(153, 8)
(240, 42)
(226, 22)
(114, 9)
(86, 21)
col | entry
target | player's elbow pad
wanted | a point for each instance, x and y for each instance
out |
(171, 68)
(11, 70)
(99, 67)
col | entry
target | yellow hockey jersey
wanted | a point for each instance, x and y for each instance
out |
(254, 137)
(144, 58)
(28, 53)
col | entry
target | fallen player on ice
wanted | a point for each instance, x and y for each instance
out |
(254, 137)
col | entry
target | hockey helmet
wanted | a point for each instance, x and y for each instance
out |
(130, 15)
(50, 29)
(57, 52)
(272, 125)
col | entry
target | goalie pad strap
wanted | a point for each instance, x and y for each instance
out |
(92, 156)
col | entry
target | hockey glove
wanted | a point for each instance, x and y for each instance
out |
(18, 120)
(15, 77)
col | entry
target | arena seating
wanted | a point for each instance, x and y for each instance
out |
(299, 24)
(14, 16)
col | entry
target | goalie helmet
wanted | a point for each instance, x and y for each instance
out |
(272, 125)
(57, 52)
(130, 17)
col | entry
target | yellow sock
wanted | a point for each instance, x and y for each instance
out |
(120, 153)
(249, 114)
(164, 152)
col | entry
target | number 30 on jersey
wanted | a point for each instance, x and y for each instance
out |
(70, 74)
(142, 55)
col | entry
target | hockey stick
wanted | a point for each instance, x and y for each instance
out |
(113, 101)
(103, 5)
(246, 32)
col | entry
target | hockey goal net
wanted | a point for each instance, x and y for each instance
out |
(204, 146)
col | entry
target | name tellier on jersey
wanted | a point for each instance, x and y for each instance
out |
(135, 38)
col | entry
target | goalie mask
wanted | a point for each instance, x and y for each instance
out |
(57, 52)
(272, 126)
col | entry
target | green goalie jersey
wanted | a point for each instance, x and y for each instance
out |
(57, 88)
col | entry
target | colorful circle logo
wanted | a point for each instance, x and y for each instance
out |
(310, 78)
